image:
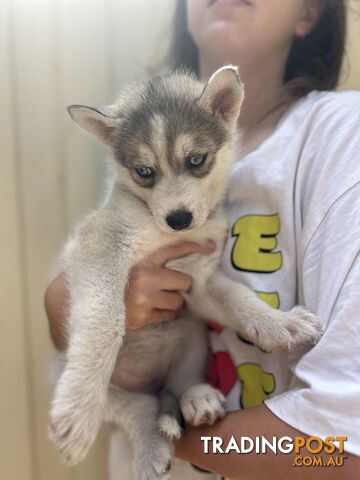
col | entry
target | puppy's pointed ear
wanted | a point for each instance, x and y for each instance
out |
(100, 122)
(223, 94)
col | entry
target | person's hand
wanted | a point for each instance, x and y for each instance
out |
(153, 294)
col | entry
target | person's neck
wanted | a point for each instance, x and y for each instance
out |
(265, 97)
(265, 100)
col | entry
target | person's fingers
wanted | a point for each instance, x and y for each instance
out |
(145, 278)
(157, 277)
(160, 257)
(172, 280)
(159, 316)
(141, 319)
(158, 299)
(56, 307)
(167, 301)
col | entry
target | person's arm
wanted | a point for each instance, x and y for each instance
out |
(256, 422)
(56, 307)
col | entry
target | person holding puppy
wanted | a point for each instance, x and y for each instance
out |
(293, 205)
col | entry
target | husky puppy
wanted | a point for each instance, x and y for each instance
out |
(170, 141)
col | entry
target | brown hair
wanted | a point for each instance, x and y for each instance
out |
(314, 61)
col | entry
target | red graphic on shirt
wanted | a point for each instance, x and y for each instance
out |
(215, 327)
(221, 373)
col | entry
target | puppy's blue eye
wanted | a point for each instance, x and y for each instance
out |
(196, 161)
(144, 172)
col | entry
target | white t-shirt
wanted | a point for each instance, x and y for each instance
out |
(294, 205)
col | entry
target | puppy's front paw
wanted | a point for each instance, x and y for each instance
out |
(303, 326)
(202, 404)
(286, 330)
(75, 419)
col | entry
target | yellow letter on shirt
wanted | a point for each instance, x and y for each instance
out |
(256, 240)
(256, 384)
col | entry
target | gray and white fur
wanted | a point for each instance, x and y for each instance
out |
(171, 145)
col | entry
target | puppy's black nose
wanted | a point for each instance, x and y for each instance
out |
(179, 219)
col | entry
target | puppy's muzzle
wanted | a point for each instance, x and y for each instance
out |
(179, 219)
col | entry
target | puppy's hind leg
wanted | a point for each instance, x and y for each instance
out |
(137, 414)
(170, 418)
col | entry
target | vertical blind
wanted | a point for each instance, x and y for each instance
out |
(52, 53)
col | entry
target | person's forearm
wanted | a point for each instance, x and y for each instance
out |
(56, 305)
(255, 422)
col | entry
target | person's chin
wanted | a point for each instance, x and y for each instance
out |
(222, 35)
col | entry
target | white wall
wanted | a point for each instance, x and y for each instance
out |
(54, 53)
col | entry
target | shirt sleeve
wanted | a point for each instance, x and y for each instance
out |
(324, 398)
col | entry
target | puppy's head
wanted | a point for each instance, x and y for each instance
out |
(171, 140)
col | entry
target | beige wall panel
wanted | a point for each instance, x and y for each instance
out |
(47, 196)
(352, 64)
(138, 37)
(41, 182)
(16, 453)
(84, 79)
